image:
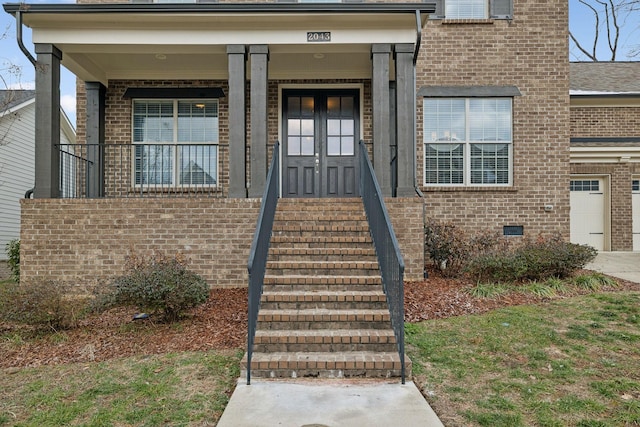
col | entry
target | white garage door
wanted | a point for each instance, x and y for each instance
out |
(635, 197)
(587, 212)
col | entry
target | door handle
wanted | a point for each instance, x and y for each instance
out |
(317, 163)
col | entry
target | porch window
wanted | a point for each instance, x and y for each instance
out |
(467, 141)
(176, 142)
(466, 9)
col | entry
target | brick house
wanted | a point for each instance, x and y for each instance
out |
(463, 106)
(605, 155)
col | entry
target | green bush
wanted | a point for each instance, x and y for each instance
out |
(44, 304)
(13, 254)
(533, 260)
(158, 284)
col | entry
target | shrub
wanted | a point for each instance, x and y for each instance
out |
(450, 248)
(43, 304)
(533, 260)
(13, 254)
(158, 284)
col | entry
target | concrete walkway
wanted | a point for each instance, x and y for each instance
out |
(327, 403)
(624, 265)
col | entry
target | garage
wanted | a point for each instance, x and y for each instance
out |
(635, 203)
(588, 212)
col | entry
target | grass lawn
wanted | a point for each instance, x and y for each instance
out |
(185, 389)
(569, 362)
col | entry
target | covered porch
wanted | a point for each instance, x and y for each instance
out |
(244, 57)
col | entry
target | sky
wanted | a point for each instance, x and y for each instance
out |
(581, 23)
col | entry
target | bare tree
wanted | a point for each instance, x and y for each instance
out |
(10, 74)
(609, 19)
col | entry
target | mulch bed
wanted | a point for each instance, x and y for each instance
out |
(221, 323)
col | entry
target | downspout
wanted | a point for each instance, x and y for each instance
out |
(425, 274)
(19, 39)
(415, 95)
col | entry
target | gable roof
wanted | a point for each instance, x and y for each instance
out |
(590, 78)
(12, 98)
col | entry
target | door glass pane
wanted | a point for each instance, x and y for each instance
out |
(293, 106)
(333, 146)
(348, 146)
(293, 146)
(306, 127)
(293, 127)
(333, 106)
(347, 106)
(306, 107)
(347, 127)
(333, 127)
(308, 148)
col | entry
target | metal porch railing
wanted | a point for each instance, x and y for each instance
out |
(387, 249)
(142, 170)
(260, 249)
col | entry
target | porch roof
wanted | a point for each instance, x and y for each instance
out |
(101, 42)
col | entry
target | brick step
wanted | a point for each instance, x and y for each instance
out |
(293, 229)
(325, 340)
(324, 299)
(321, 283)
(326, 365)
(287, 253)
(324, 315)
(323, 268)
(315, 241)
(356, 217)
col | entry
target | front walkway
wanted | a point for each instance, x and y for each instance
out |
(327, 403)
(623, 265)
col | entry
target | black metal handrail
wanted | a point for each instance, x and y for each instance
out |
(260, 249)
(387, 249)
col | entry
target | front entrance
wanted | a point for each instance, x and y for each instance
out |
(320, 153)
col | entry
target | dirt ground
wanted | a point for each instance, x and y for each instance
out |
(219, 324)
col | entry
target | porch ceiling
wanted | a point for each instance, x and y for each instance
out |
(101, 42)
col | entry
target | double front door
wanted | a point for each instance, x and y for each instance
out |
(320, 143)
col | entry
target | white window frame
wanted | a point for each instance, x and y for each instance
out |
(461, 7)
(175, 157)
(467, 143)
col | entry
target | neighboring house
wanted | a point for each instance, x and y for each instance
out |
(605, 155)
(17, 142)
(463, 107)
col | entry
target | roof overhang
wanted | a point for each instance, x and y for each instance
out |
(101, 42)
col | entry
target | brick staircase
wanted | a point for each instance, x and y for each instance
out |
(323, 312)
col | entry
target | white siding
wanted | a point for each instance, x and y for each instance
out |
(16, 169)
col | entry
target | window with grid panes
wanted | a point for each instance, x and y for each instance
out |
(175, 142)
(467, 141)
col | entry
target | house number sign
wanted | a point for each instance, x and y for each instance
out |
(318, 36)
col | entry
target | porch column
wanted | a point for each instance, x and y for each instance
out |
(47, 124)
(95, 138)
(259, 58)
(405, 119)
(237, 122)
(381, 138)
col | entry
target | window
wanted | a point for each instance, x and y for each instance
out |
(467, 141)
(176, 142)
(465, 9)
(584, 185)
(635, 185)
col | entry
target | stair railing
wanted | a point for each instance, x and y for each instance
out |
(387, 249)
(260, 249)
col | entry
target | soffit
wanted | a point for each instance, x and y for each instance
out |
(103, 42)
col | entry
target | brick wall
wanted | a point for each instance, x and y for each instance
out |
(529, 52)
(605, 121)
(83, 241)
